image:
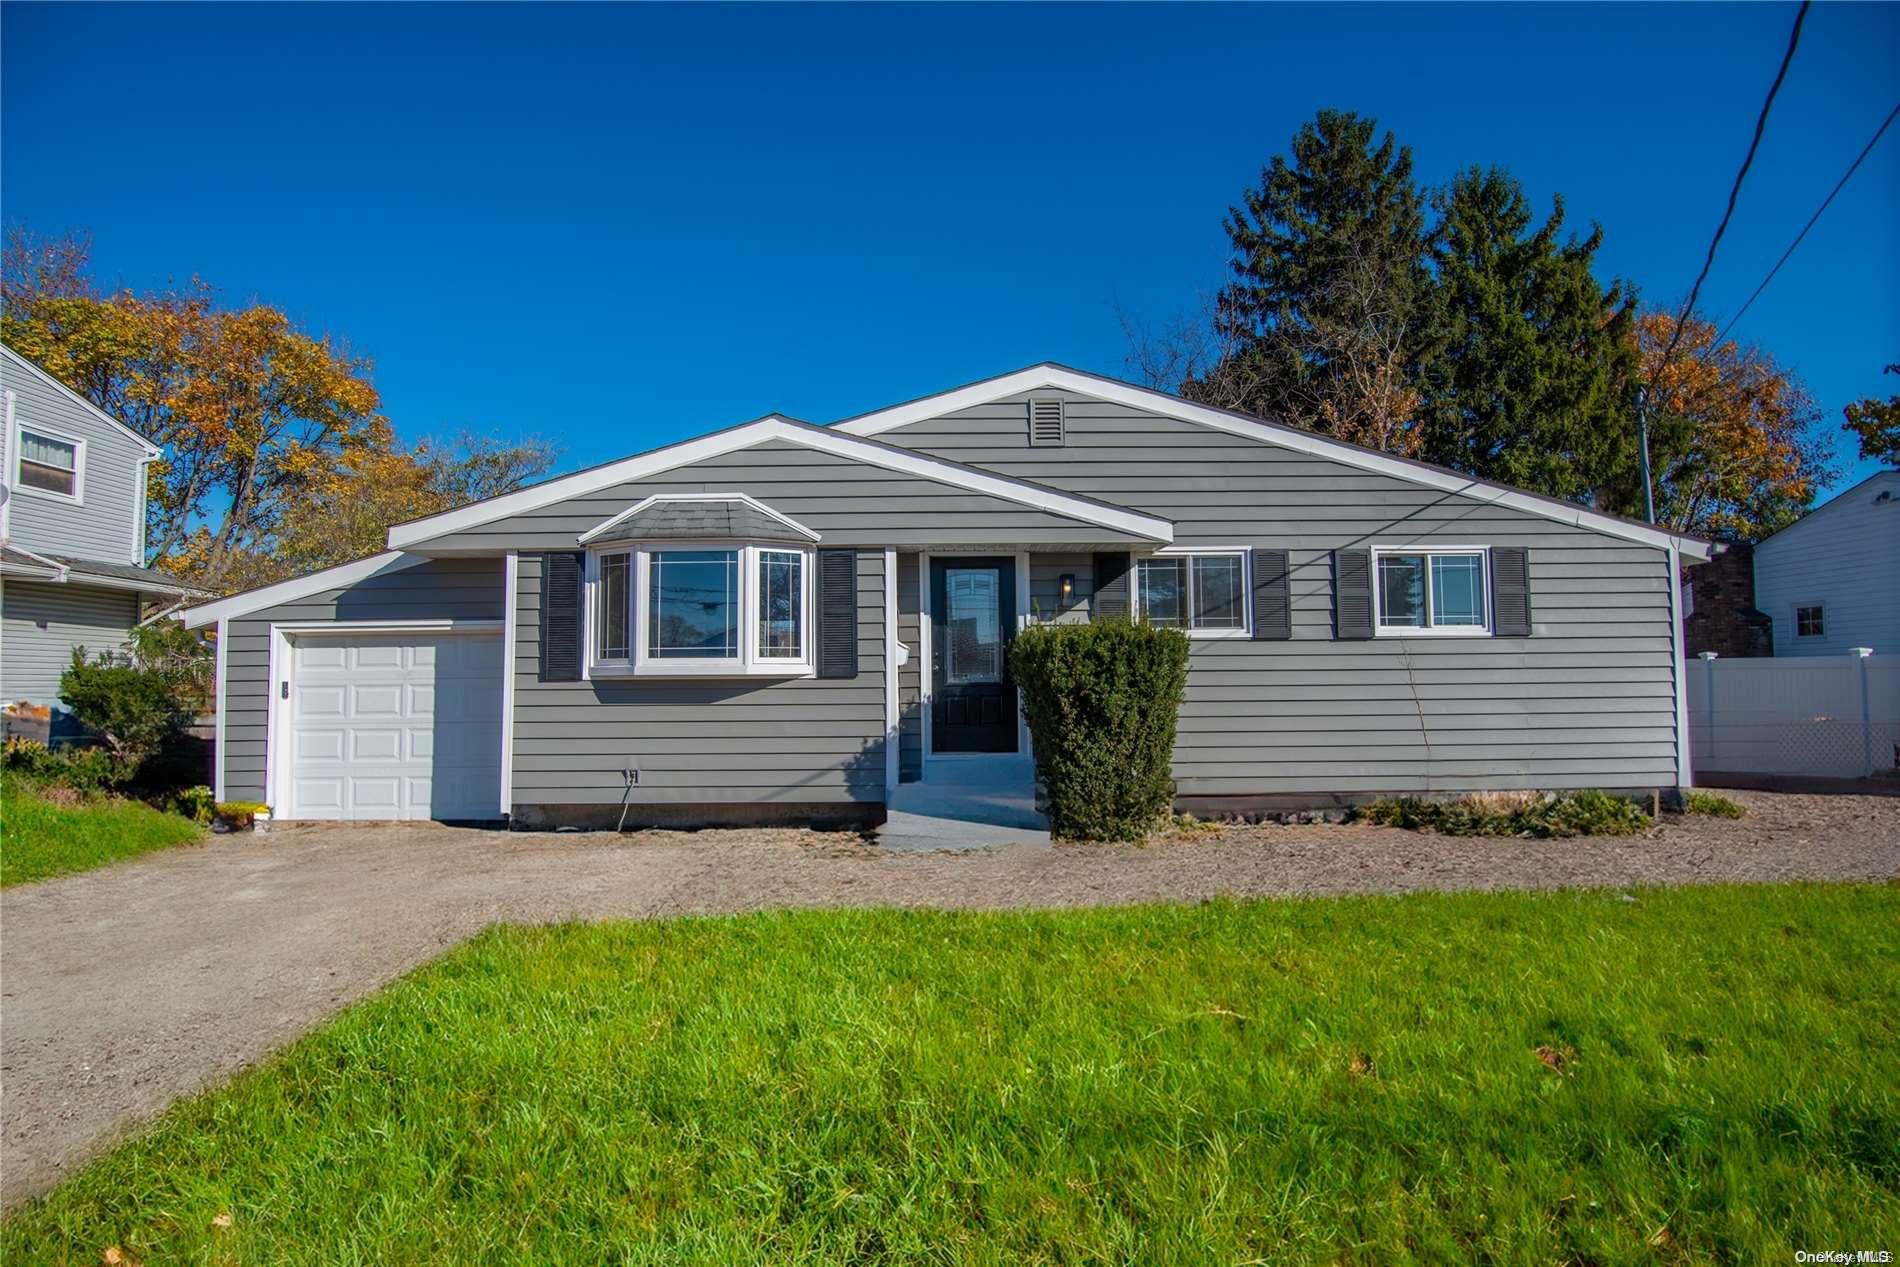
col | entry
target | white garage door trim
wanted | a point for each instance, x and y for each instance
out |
(282, 662)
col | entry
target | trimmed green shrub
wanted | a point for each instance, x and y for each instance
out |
(83, 769)
(1700, 802)
(135, 709)
(1585, 813)
(1101, 700)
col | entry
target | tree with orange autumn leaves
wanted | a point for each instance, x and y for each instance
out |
(1734, 443)
(277, 458)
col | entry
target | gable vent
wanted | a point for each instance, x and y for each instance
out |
(1045, 422)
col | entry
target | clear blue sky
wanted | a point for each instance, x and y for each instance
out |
(618, 226)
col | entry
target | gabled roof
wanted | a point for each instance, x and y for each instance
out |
(1840, 501)
(151, 450)
(1063, 378)
(700, 516)
(778, 427)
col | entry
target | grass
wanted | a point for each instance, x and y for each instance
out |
(42, 837)
(1675, 1076)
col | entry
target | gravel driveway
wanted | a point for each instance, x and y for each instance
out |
(125, 988)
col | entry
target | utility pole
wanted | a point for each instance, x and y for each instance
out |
(1642, 436)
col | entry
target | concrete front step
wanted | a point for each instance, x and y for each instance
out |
(967, 804)
(925, 833)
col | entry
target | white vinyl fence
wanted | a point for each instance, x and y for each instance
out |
(1812, 716)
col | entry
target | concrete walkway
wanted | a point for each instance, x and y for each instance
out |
(126, 988)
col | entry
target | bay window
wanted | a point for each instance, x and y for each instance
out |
(699, 609)
(1431, 592)
(1202, 592)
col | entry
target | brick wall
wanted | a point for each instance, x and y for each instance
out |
(1721, 595)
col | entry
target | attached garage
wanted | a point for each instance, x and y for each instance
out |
(366, 692)
(391, 726)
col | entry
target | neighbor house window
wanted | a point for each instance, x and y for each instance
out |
(707, 610)
(48, 463)
(1431, 591)
(1202, 593)
(1810, 622)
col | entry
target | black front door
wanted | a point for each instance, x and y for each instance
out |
(973, 616)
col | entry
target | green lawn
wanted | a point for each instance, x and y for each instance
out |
(40, 839)
(1353, 1081)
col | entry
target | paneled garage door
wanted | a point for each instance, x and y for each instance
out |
(395, 726)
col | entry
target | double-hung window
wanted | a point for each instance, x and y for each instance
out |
(48, 463)
(1202, 592)
(700, 609)
(1431, 592)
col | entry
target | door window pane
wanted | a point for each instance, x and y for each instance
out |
(615, 610)
(1457, 590)
(48, 463)
(1161, 596)
(1402, 590)
(973, 646)
(693, 607)
(1217, 592)
(780, 603)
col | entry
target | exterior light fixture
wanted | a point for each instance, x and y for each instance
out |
(1068, 586)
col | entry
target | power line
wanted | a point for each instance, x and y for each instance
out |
(1838, 186)
(1708, 262)
(1735, 191)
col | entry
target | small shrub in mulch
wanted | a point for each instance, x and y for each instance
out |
(1543, 814)
(1716, 806)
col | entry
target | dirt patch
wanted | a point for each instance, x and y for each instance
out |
(128, 987)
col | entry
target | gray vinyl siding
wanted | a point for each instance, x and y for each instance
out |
(847, 502)
(41, 623)
(708, 742)
(442, 589)
(108, 523)
(1588, 701)
(1045, 587)
(910, 677)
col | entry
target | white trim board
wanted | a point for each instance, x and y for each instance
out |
(1062, 378)
(824, 440)
(510, 632)
(337, 577)
(661, 499)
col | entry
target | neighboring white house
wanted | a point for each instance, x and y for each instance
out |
(1831, 581)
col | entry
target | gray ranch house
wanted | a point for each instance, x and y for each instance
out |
(72, 538)
(789, 621)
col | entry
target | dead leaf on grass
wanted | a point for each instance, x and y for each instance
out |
(222, 1220)
(1360, 1066)
(113, 1256)
(1558, 1059)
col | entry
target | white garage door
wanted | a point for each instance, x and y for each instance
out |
(395, 726)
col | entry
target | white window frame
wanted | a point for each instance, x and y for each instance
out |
(75, 498)
(1190, 553)
(1794, 621)
(1482, 630)
(748, 663)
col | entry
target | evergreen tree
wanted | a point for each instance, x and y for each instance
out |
(1532, 375)
(1321, 320)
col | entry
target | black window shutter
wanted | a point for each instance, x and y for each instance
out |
(1272, 596)
(1511, 591)
(837, 613)
(1111, 586)
(1352, 594)
(561, 617)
